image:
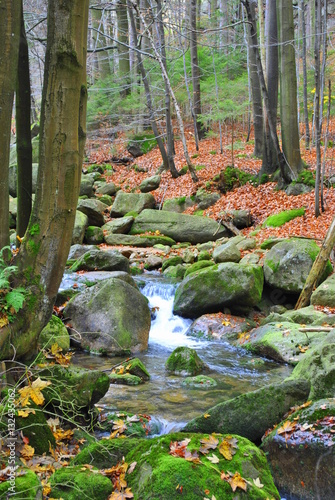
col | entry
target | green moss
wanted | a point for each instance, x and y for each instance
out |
(199, 382)
(183, 170)
(161, 476)
(106, 452)
(200, 167)
(185, 361)
(35, 229)
(305, 177)
(125, 379)
(131, 214)
(27, 486)
(172, 261)
(36, 429)
(201, 264)
(145, 141)
(280, 219)
(33, 247)
(72, 483)
(198, 212)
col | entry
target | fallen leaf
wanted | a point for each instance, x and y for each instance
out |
(258, 483)
(25, 413)
(237, 481)
(206, 415)
(207, 444)
(121, 495)
(33, 392)
(227, 447)
(287, 427)
(214, 459)
(27, 451)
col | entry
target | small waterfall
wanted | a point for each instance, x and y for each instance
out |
(167, 330)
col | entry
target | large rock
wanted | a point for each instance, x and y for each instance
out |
(86, 186)
(137, 241)
(324, 295)
(162, 474)
(80, 225)
(94, 209)
(178, 205)
(54, 333)
(289, 262)
(150, 184)
(118, 226)
(113, 317)
(318, 366)
(180, 227)
(301, 452)
(131, 202)
(284, 342)
(212, 289)
(219, 325)
(251, 414)
(105, 188)
(27, 486)
(74, 482)
(99, 260)
(228, 252)
(185, 361)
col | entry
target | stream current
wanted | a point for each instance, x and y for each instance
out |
(163, 397)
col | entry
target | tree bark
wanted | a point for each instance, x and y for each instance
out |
(317, 107)
(257, 105)
(123, 50)
(195, 69)
(288, 88)
(318, 267)
(100, 41)
(23, 136)
(304, 69)
(44, 250)
(10, 16)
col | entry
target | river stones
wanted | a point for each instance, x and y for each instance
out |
(325, 293)
(96, 259)
(131, 202)
(94, 209)
(185, 361)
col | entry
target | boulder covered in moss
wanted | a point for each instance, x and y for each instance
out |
(197, 266)
(118, 226)
(94, 235)
(180, 227)
(54, 333)
(227, 252)
(80, 225)
(281, 218)
(199, 382)
(318, 367)
(99, 260)
(251, 414)
(138, 241)
(219, 326)
(27, 486)
(105, 453)
(125, 379)
(113, 317)
(126, 202)
(288, 263)
(324, 295)
(171, 261)
(171, 466)
(34, 427)
(284, 341)
(150, 184)
(175, 272)
(178, 205)
(73, 391)
(72, 483)
(226, 285)
(185, 361)
(301, 452)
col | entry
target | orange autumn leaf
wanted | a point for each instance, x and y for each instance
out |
(237, 481)
(27, 451)
(227, 447)
(207, 444)
(287, 427)
(33, 392)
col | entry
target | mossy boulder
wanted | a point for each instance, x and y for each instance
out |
(86, 187)
(94, 209)
(180, 227)
(288, 263)
(125, 379)
(153, 262)
(172, 261)
(35, 428)
(73, 391)
(105, 188)
(72, 483)
(27, 486)
(126, 202)
(134, 367)
(118, 226)
(226, 285)
(96, 259)
(204, 255)
(138, 241)
(305, 315)
(175, 272)
(185, 361)
(150, 184)
(54, 333)
(219, 326)
(197, 266)
(112, 316)
(105, 453)
(94, 235)
(130, 425)
(318, 367)
(302, 459)
(251, 414)
(80, 225)
(324, 295)
(178, 205)
(281, 218)
(159, 475)
(78, 250)
(283, 342)
(199, 382)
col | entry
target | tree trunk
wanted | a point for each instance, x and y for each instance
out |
(304, 69)
(195, 68)
(257, 105)
(44, 250)
(9, 42)
(99, 40)
(317, 107)
(288, 88)
(123, 50)
(318, 267)
(270, 163)
(23, 136)
(148, 95)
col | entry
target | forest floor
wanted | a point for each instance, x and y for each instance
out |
(262, 200)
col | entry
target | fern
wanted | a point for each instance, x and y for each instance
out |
(15, 298)
(11, 299)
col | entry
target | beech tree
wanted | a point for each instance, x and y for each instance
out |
(44, 250)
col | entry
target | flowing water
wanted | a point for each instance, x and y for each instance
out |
(164, 398)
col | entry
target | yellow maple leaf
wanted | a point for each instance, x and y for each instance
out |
(27, 451)
(237, 481)
(33, 392)
(3, 320)
(206, 415)
(286, 427)
(226, 448)
(25, 413)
